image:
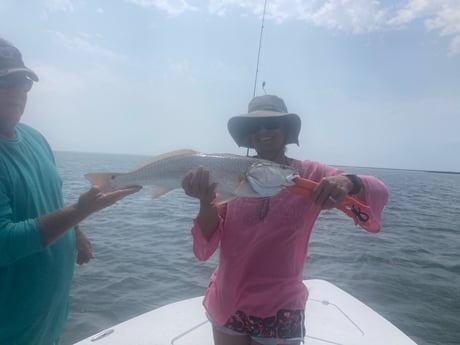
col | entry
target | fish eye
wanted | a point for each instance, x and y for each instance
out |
(112, 177)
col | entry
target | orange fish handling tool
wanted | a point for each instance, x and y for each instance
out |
(351, 206)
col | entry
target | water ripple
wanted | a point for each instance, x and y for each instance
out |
(409, 273)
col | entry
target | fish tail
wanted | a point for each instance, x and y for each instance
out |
(102, 180)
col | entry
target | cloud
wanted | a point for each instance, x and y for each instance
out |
(55, 6)
(356, 16)
(438, 15)
(447, 20)
(413, 10)
(86, 43)
(353, 16)
(224, 7)
(349, 15)
(171, 7)
(59, 6)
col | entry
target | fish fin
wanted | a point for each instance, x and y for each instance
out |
(222, 199)
(102, 180)
(244, 187)
(159, 191)
(183, 152)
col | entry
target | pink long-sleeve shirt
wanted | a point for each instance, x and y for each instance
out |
(261, 261)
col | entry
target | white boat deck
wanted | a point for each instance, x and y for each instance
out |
(332, 316)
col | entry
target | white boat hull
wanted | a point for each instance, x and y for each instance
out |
(332, 316)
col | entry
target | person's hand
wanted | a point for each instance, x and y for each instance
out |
(94, 200)
(331, 190)
(197, 186)
(84, 248)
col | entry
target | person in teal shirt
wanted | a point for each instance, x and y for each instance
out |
(39, 242)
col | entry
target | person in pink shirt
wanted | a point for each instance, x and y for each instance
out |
(256, 294)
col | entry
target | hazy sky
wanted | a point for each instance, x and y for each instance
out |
(376, 83)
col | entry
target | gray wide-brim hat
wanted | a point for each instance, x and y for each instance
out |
(11, 61)
(264, 107)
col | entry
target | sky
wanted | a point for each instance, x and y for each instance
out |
(376, 83)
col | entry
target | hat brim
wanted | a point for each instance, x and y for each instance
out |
(28, 72)
(237, 126)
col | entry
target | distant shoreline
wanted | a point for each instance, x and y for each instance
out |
(442, 172)
(334, 165)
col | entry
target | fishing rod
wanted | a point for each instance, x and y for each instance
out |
(258, 58)
(260, 46)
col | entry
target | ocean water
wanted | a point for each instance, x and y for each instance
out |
(409, 272)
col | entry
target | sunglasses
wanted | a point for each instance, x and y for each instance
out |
(267, 123)
(22, 83)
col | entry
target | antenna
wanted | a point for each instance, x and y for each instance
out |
(260, 45)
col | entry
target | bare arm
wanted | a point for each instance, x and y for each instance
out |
(197, 186)
(54, 224)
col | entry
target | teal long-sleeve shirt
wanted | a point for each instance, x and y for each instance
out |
(35, 279)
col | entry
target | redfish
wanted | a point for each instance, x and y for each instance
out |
(235, 176)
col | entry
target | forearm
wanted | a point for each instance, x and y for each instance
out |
(206, 238)
(54, 224)
(208, 219)
(30, 236)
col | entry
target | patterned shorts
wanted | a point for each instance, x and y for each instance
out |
(287, 324)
